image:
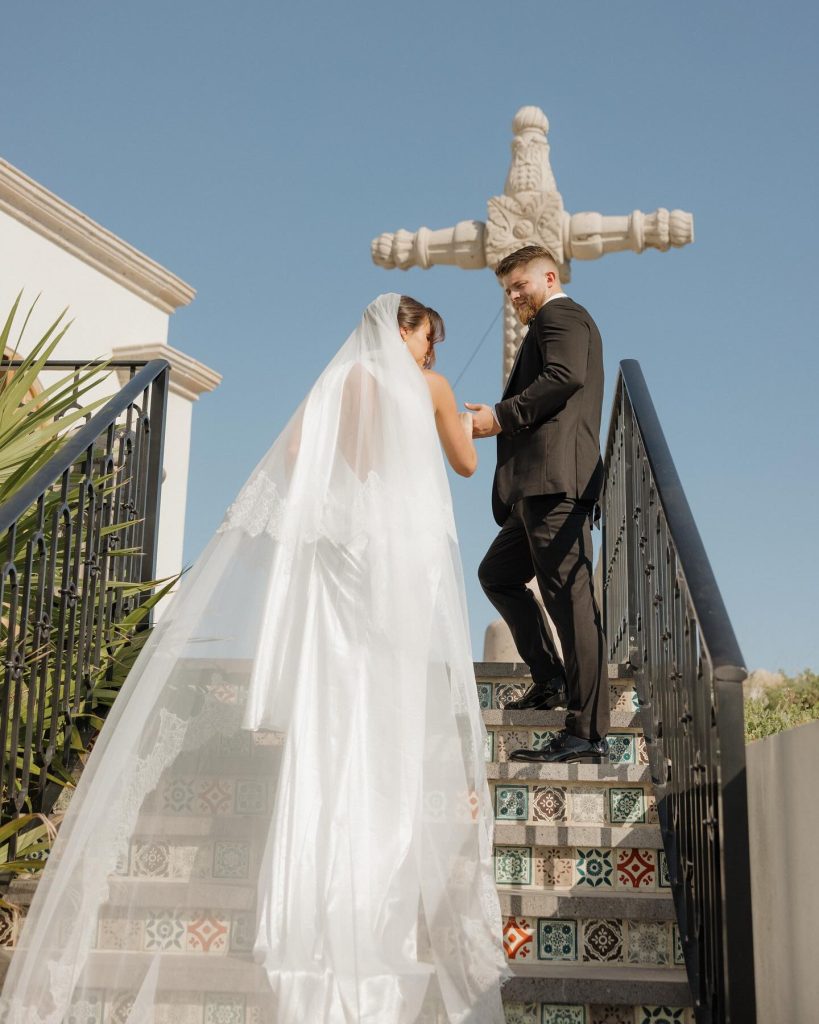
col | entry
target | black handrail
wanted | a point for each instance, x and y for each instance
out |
(77, 364)
(65, 458)
(82, 527)
(665, 616)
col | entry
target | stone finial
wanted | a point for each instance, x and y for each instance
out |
(530, 118)
(530, 211)
(530, 170)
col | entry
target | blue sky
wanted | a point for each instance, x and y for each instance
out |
(256, 148)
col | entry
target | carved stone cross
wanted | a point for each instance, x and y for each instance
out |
(530, 212)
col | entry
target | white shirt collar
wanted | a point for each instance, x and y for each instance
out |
(557, 295)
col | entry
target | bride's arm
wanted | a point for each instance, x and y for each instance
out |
(454, 429)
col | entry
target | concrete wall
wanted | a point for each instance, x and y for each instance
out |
(783, 808)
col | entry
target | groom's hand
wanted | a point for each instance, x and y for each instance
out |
(484, 423)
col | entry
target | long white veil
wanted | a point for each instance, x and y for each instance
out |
(286, 817)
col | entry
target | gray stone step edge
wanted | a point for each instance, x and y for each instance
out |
(541, 982)
(490, 671)
(526, 771)
(496, 718)
(620, 905)
(627, 985)
(514, 833)
(150, 893)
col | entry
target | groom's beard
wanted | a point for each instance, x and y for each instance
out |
(526, 309)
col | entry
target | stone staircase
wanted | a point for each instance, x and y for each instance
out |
(589, 924)
(588, 919)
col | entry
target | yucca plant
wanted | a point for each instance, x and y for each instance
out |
(32, 431)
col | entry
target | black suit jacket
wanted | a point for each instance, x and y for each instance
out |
(550, 411)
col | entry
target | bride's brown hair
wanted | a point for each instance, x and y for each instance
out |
(411, 313)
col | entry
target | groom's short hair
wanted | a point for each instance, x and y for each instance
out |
(520, 257)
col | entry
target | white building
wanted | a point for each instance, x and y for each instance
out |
(120, 301)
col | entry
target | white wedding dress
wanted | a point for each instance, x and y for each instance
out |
(286, 816)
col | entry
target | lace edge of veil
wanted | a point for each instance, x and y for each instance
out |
(260, 508)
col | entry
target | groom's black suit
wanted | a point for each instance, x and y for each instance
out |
(547, 481)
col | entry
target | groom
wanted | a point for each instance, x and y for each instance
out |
(546, 485)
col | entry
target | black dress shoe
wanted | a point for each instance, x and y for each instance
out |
(541, 697)
(564, 748)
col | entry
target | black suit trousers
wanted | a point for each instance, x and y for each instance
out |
(549, 537)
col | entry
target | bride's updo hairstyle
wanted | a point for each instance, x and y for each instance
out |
(411, 313)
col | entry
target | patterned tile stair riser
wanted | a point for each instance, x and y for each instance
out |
(595, 869)
(592, 941)
(494, 696)
(562, 1013)
(624, 747)
(557, 804)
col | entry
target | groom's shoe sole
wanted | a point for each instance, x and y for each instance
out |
(572, 759)
(554, 702)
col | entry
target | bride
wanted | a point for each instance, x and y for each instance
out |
(286, 816)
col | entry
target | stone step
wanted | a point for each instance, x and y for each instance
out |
(501, 682)
(511, 833)
(573, 994)
(496, 718)
(594, 930)
(219, 826)
(553, 993)
(156, 893)
(624, 747)
(634, 774)
(624, 901)
(236, 974)
(21, 888)
(576, 903)
(495, 696)
(493, 670)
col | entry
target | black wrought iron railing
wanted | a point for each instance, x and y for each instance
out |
(74, 541)
(664, 615)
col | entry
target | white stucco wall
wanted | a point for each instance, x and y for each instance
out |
(106, 314)
(174, 496)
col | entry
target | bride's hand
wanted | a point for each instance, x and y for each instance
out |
(467, 423)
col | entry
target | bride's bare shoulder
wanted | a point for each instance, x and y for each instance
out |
(436, 380)
(438, 385)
